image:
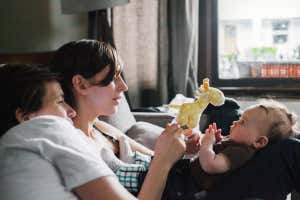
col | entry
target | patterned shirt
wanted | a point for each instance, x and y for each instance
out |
(128, 174)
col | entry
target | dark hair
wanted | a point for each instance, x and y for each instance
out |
(85, 58)
(22, 87)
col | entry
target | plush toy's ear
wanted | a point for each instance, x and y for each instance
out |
(206, 84)
(261, 142)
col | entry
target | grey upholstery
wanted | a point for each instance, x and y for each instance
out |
(145, 133)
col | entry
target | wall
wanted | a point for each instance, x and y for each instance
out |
(244, 9)
(292, 104)
(37, 26)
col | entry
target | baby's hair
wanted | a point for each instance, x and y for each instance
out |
(283, 122)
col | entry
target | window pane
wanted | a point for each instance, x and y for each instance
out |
(258, 39)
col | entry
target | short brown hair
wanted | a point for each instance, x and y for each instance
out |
(23, 87)
(283, 123)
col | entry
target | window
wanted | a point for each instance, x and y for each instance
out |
(254, 43)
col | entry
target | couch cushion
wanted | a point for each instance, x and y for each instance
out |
(145, 133)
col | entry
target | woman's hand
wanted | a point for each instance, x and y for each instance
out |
(193, 143)
(170, 145)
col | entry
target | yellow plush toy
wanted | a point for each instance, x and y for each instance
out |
(190, 113)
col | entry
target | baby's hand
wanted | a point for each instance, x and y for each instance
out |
(209, 137)
(212, 135)
(218, 132)
(218, 135)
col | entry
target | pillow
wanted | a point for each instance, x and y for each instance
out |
(145, 133)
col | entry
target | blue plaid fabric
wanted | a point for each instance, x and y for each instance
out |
(142, 159)
(128, 175)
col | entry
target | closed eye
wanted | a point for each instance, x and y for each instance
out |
(61, 102)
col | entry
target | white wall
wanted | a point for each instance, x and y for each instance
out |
(253, 21)
(292, 104)
(248, 9)
(37, 25)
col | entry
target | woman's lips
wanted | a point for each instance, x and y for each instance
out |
(117, 100)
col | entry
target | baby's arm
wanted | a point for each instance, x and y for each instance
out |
(210, 162)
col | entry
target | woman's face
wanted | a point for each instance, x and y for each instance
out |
(104, 100)
(53, 103)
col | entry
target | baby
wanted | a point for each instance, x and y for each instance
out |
(259, 126)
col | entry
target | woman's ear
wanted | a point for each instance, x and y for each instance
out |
(79, 84)
(20, 116)
(261, 142)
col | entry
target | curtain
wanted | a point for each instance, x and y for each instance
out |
(158, 42)
(163, 53)
(138, 33)
(183, 55)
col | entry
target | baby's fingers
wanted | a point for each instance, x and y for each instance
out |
(214, 125)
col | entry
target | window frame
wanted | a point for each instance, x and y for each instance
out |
(208, 61)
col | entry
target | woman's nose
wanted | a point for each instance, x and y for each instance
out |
(71, 113)
(122, 86)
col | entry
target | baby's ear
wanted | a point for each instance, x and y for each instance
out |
(261, 142)
(20, 116)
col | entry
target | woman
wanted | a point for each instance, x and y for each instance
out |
(42, 158)
(45, 157)
(92, 82)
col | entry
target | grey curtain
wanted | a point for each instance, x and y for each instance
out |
(158, 41)
(140, 33)
(76, 6)
(183, 54)
(163, 52)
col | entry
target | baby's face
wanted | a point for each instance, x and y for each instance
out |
(252, 124)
